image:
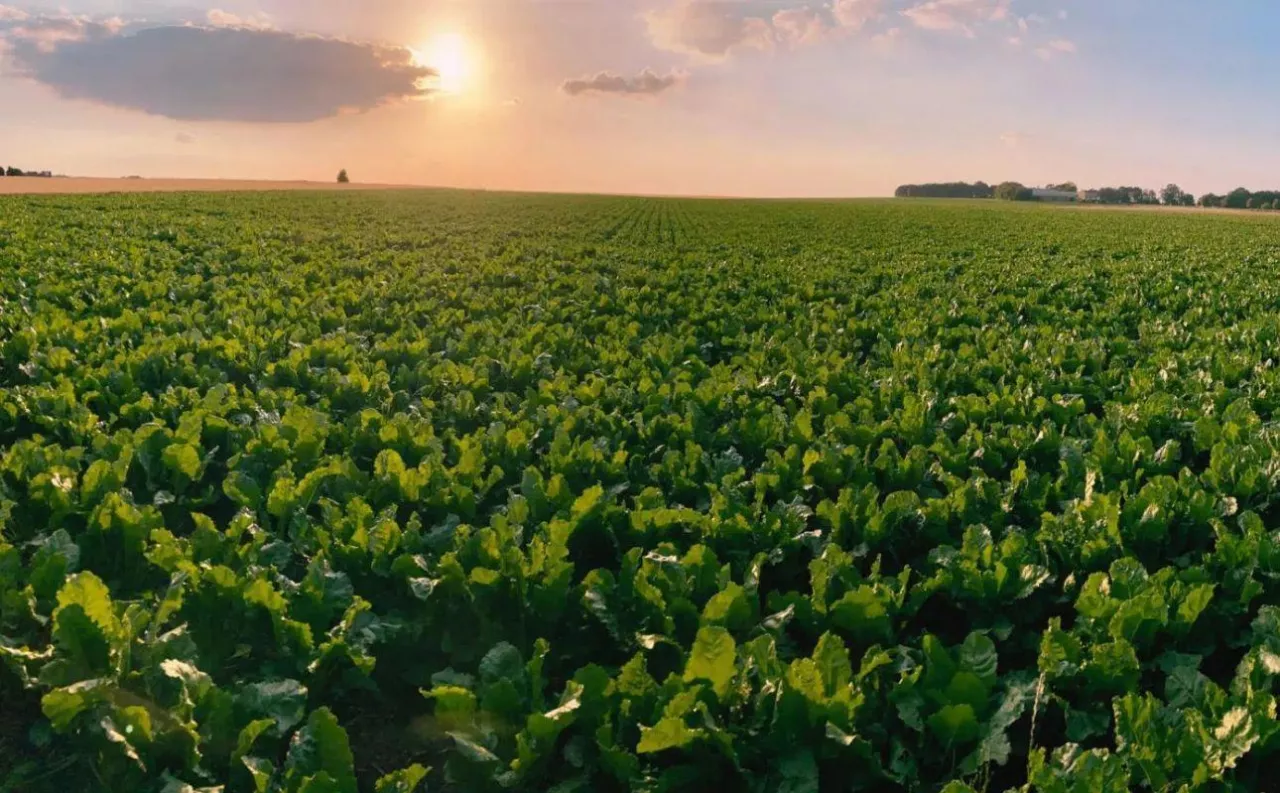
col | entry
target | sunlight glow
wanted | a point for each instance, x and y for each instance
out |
(453, 58)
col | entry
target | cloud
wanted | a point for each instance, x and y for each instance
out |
(959, 16)
(194, 73)
(715, 29)
(1014, 139)
(647, 83)
(184, 138)
(887, 39)
(1055, 48)
(854, 14)
(708, 28)
(225, 19)
(799, 26)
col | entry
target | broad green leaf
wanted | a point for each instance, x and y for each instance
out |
(261, 771)
(862, 614)
(61, 706)
(670, 733)
(321, 747)
(406, 780)
(284, 702)
(955, 724)
(712, 658)
(88, 592)
(182, 458)
(832, 659)
(978, 655)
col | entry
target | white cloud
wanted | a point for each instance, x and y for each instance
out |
(797, 26)
(225, 19)
(11, 14)
(708, 29)
(1055, 48)
(715, 29)
(854, 14)
(1013, 139)
(958, 16)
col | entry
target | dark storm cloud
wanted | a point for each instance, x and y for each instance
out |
(195, 73)
(647, 83)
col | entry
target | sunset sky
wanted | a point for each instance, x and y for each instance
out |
(770, 98)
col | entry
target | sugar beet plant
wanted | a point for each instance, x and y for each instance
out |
(394, 492)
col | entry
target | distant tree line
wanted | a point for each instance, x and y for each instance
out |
(1171, 195)
(1123, 195)
(1241, 198)
(1005, 191)
(945, 190)
(11, 171)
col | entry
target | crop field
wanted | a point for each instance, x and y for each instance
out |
(447, 491)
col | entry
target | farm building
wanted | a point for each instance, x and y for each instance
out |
(1090, 196)
(1045, 194)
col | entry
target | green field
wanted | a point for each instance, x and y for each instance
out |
(316, 492)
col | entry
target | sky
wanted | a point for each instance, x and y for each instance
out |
(689, 97)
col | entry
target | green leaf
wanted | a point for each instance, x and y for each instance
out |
(88, 592)
(284, 702)
(955, 724)
(174, 785)
(182, 458)
(670, 733)
(798, 773)
(729, 608)
(455, 707)
(713, 658)
(832, 659)
(320, 782)
(472, 751)
(248, 737)
(406, 780)
(242, 489)
(321, 747)
(862, 614)
(81, 641)
(1194, 604)
(502, 662)
(978, 655)
(261, 771)
(61, 706)
(1231, 740)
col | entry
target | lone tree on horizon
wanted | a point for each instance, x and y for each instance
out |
(343, 178)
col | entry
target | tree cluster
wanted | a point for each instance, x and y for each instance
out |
(1126, 195)
(1174, 196)
(11, 171)
(1013, 191)
(1241, 198)
(1006, 191)
(945, 190)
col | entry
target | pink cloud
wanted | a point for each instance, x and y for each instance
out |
(959, 16)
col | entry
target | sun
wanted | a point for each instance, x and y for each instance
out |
(451, 56)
